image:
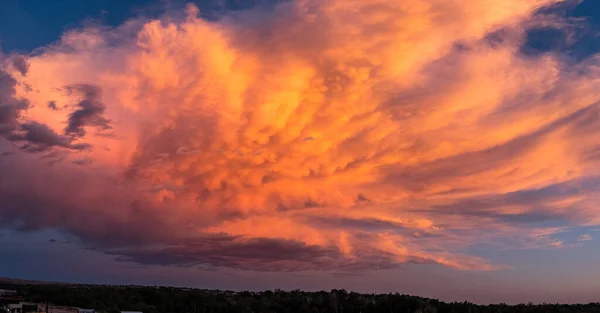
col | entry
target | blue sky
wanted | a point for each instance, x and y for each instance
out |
(29, 24)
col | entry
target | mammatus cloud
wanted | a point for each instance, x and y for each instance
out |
(333, 135)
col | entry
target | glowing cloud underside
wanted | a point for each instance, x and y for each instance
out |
(333, 135)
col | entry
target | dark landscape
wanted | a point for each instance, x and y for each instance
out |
(161, 299)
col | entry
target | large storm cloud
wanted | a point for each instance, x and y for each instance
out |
(334, 135)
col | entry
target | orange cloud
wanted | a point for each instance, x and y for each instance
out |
(323, 135)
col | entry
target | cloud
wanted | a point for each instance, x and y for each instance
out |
(52, 105)
(34, 136)
(82, 161)
(19, 62)
(262, 254)
(435, 132)
(10, 106)
(40, 137)
(89, 110)
(584, 237)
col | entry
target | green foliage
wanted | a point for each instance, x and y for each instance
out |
(113, 299)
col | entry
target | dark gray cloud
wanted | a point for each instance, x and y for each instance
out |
(360, 198)
(366, 224)
(89, 110)
(10, 107)
(39, 138)
(52, 240)
(52, 105)
(82, 162)
(20, 63)
(261, 254)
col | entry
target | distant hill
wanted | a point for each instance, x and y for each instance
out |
(17, 281)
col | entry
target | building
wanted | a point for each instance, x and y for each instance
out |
(8, 297)
(8, 293)
(131, 312)
(21, 308)
(87, 311)
(60, 308)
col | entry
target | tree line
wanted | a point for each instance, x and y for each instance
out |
(155, 299)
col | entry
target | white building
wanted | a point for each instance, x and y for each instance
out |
(87, 311)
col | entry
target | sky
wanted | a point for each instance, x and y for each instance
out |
(440, 148)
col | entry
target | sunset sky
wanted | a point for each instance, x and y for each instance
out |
(441, 148)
